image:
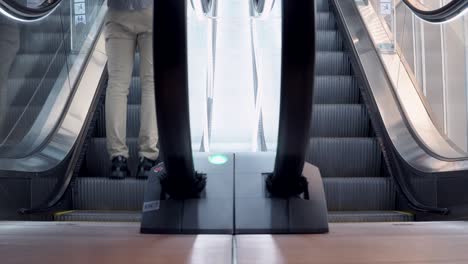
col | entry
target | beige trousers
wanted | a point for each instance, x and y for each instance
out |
(125, 31)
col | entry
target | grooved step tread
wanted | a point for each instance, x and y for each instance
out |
(345, 157)
(343, 194)
(329, 89)
(342, 120)
(329, 120)
(336, 89)
(135, 216)
(336, 157)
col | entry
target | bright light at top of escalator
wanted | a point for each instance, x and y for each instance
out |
(218, 159)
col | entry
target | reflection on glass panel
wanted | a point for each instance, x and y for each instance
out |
(234, 71)
(36, 80)
(430, 5)
(200, 37)
(435, 59)
(267, 38)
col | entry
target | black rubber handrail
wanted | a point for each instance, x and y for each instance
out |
(74, 160)
(20, 11)
(390, 154)
(439, 15)
(297, 83)
(260, 7)
(172, 100)
(206, 5)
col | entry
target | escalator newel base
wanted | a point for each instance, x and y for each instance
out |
(179, 190)
(260, 212)
(286, 189)
(206, 207)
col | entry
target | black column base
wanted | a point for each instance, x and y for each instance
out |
(258, 212)
(210, 212)
(190, 188)
(287, 188)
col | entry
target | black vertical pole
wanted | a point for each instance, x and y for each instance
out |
(297, 81)
(172, 101)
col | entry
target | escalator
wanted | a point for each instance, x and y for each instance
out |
(342, 144)
(43, 92)
(37, 67)
(352, 152)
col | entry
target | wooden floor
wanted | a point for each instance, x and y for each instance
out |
(64, 243)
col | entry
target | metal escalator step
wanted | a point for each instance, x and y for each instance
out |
(37, 65)
(345, 157)
(343, 194)
(56, 22)
(133, 122)
(20, 119)
(359, 194)
(322, 5)
(136, 67)
(332, 63)
(331, 89)
(329, 40)
(333, 216)
(42, 42)
(336, 157)
(105, 194)
(98, 162)
(339, 120)
(21, 90)
(325, 21)
(98, 216)
(368, 216)
(134, 96)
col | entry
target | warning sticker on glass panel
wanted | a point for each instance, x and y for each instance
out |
(151, 206)
(385, 7)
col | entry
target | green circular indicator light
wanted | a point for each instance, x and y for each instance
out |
(218, 159)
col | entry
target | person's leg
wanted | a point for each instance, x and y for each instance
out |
(148, 137)
(120, 48)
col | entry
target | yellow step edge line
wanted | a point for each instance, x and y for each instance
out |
(64, 213)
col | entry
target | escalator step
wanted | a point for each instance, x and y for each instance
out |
(329, 40)
(345, 157)
(332, 63)
(359, 194)
(369, 216)
(322, 5)
(328, 62)
(56, 22)
(336, 157)
(38, 65)
(99, 164)
(99, 216)
(328, 121)
(329, 89)
(106, 194)
(336, 90)
(42, 42)
(325, 21)
(341, 120)
(333, 216)
(20, 119)
(343, 194)
(134, 96)
(21, 90)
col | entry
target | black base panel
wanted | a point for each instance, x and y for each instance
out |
(212, 213)
(252, 211)
(257, 213)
